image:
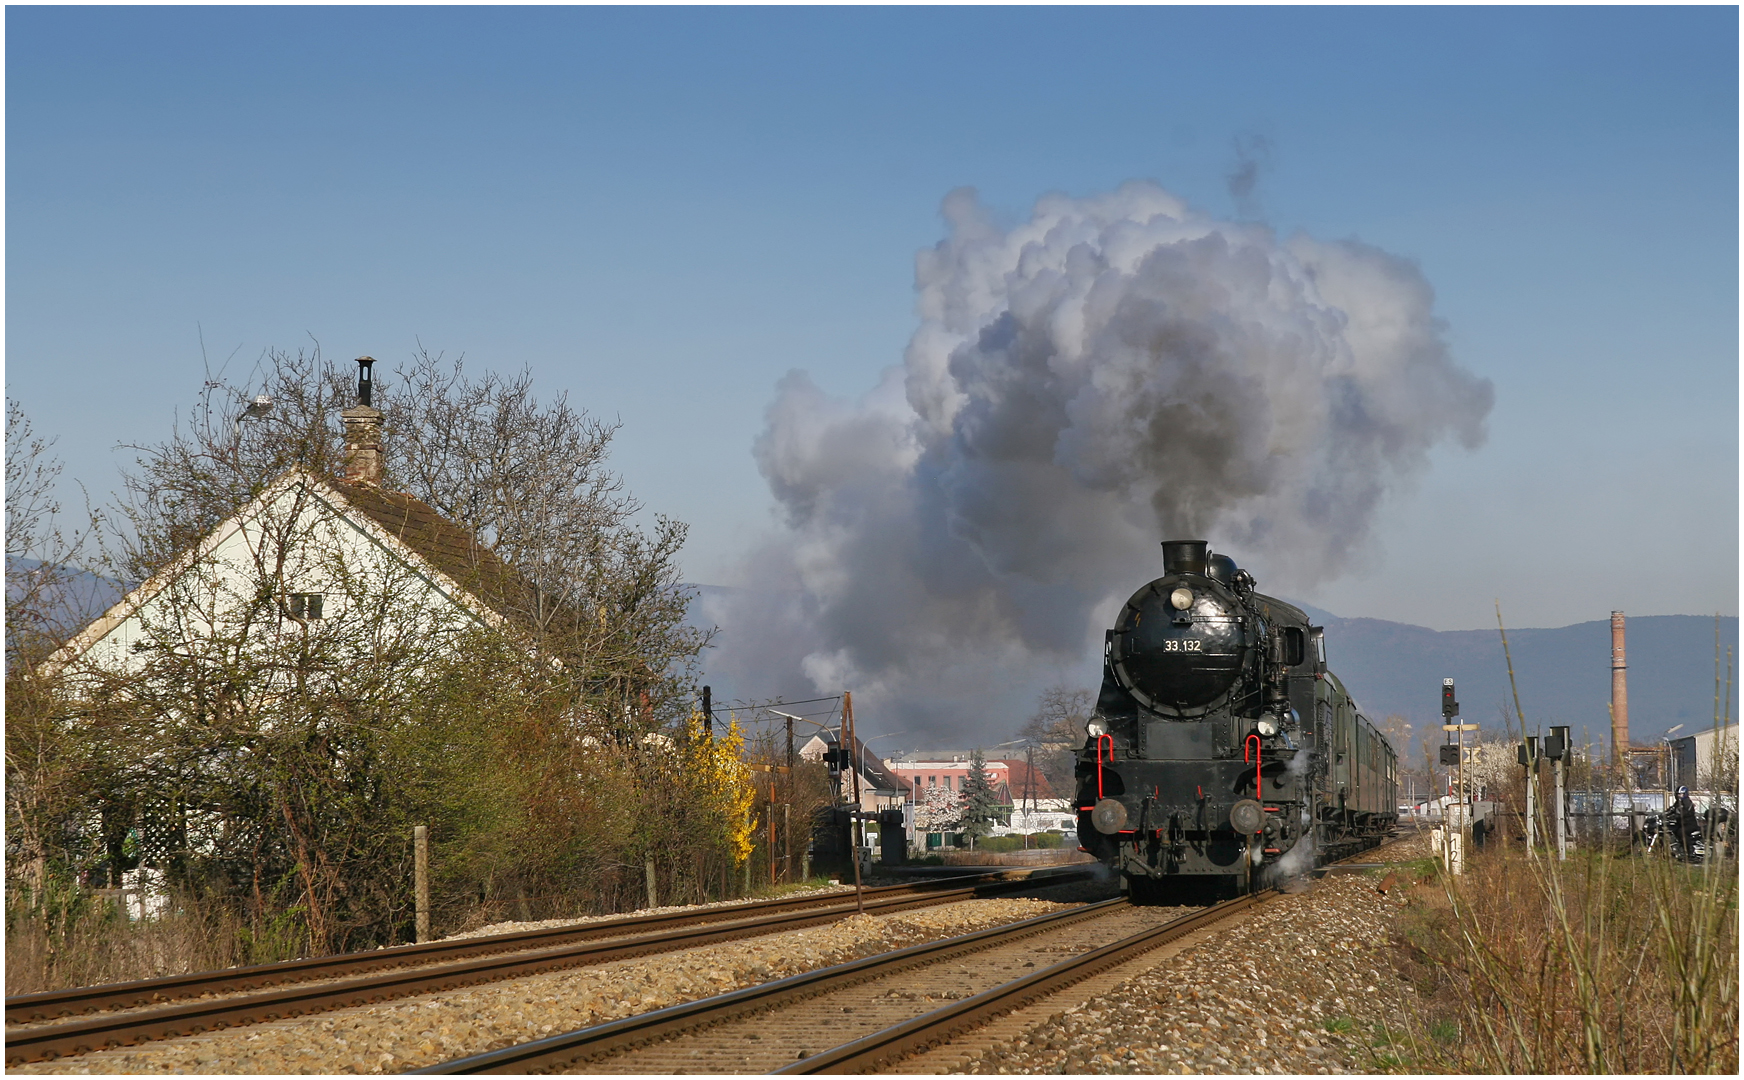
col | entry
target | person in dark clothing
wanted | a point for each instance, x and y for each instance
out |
(1686, 828)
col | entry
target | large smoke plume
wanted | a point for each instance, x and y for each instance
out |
(1112, 372)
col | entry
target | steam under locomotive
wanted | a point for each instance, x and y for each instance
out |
(1222, 750)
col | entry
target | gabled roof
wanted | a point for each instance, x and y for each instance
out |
(871, 766)
(1038, 784)
(445, 546)
(441, 552)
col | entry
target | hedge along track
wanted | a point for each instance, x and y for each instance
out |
(719, 1030)
(360, 979)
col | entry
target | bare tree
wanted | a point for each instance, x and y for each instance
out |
(48, 762)
(1057, 731)
(529, 480)
(247, 750)
(47, 595)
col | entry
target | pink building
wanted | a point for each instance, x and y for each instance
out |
(949, 775)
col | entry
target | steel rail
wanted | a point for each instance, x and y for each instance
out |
(50, 1004)
(882, 1048)
(48, 1041)
(557, 1051)
(940, 1025)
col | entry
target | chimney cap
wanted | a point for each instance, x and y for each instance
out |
(363, 379)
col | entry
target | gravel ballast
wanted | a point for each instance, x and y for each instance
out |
(1300, 986)
(426, 1030)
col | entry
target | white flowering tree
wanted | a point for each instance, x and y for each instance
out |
(939, 810)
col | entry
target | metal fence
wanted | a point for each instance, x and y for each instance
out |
(1593, 819)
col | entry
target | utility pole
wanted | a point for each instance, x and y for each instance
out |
(853, 764)
(786, 817)
(708, 716)
(1028, 792)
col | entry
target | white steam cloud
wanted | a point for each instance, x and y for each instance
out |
(1112, 372)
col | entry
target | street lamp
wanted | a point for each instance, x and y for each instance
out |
(1669, 773)
(860, 751)
(258, 409)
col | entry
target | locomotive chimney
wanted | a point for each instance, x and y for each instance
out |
(363, 428)
(1619, 692)
(1185, 556)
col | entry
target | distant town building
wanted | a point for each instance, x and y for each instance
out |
(1706, 761)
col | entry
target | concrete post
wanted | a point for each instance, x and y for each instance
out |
(421, 879)
(1561, 815)
(648, 872)
(1531, 808)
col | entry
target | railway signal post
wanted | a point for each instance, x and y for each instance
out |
(1528, 758)
(1556, 749)
(1450, 711)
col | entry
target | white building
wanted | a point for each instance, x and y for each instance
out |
(306, 554)
(1706, 761)
(341, 571)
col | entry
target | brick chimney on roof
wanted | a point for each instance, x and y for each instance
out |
(363, 430)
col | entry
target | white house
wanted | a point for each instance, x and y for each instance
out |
(307, 552)
(880, 789)
(311, 564)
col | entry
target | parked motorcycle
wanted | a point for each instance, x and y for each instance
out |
(1680, 835)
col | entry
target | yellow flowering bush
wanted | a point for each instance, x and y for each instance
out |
(724, 781)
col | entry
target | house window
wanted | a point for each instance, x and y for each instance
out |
(932, 781)
(306, 605)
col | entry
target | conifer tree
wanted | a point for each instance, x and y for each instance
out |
(980, 805)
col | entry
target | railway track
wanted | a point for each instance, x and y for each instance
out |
(894, 1004)
(147, 1010)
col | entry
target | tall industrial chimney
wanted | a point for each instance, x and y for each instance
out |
(1619, 691)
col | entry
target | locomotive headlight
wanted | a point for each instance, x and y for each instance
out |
(1267, 726)
(1181, 598)
(1096, 729)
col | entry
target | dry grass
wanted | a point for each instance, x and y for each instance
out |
(72, 938)
(1609, 962)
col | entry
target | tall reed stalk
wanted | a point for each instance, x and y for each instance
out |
(1611, 961)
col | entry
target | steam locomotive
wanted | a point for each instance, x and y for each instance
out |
(1222, 752)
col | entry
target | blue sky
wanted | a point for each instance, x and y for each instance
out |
(663, 211)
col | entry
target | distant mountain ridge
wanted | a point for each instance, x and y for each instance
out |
(86, 595)
(1564, 674)
(1396, 668)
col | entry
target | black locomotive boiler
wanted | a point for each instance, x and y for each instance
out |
(1222, 751)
